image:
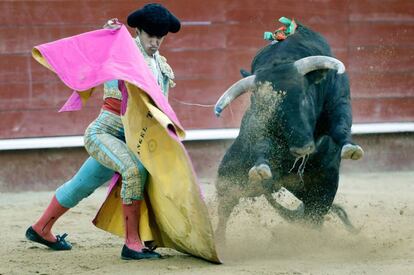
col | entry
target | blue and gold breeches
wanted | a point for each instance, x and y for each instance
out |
(105, 142)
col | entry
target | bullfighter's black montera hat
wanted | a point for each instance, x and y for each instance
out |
(154, 19)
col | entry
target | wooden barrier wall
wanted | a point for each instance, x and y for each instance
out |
(375, 40)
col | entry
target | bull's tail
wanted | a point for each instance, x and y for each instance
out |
(343, 216)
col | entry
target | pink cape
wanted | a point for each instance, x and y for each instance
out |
(82, 65)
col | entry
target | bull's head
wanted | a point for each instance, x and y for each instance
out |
(282, 97)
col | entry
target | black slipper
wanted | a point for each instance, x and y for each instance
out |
(60, 244)
(129, 254)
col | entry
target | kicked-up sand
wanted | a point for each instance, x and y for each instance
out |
(381, 205)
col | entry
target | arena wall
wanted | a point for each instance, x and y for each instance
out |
(375, 40)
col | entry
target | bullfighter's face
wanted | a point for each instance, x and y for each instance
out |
(151, 44)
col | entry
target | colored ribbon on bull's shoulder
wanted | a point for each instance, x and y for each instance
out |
(288, 28)
(174, 213)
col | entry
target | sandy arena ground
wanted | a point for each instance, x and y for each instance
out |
(259, 241)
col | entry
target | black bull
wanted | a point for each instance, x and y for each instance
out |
(292, 134)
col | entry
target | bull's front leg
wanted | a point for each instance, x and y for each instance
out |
(228, 195)
(260, 151)
(340, 129)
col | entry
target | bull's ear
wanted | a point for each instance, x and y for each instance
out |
(316, 76)
(244, 73)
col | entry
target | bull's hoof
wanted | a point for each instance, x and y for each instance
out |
(260, 173)
(351, 151)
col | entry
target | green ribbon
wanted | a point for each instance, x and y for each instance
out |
(290, 29)
(268, 36)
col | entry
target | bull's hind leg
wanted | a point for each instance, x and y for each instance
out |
(319, 194)
(343, 216)
(228, 196)
(320, 184)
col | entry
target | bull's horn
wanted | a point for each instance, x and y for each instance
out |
(237, 89)
(317, 62)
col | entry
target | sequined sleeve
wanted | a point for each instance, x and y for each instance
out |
(111, 90)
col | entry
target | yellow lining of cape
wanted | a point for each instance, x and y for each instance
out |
(177, 216)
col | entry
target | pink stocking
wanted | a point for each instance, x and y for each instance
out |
(131, 222)
(44, 225)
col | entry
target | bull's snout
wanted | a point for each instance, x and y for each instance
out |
(304, 150)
